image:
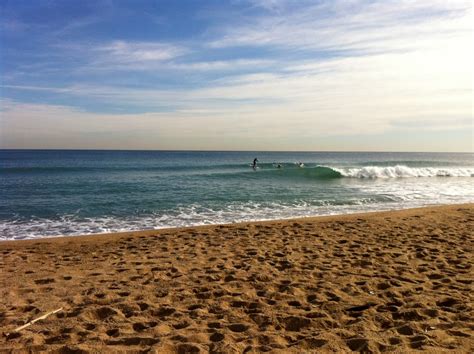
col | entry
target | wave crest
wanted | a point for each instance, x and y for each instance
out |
(400, 171)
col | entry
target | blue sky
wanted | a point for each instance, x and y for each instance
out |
(238, 75)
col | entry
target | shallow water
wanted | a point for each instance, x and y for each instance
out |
(65, 192)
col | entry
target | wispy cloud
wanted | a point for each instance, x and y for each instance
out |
(228, 65)
(357, 26)
(123, 52)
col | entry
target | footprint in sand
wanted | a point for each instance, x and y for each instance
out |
(216, 337)
(358, 344)
(114, 332)
(238, 327)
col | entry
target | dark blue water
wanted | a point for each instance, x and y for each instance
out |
(59, 192)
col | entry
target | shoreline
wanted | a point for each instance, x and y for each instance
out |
(204, 226)
(377, 281)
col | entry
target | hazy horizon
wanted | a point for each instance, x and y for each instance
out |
(248, 75)
(256, 151)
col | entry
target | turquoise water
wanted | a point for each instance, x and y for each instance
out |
(64, 192)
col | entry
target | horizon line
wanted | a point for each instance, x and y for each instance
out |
(261, 151)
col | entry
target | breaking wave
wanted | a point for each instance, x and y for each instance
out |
(400, 171)
(366, 172)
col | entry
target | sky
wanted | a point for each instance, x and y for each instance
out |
(336, 75)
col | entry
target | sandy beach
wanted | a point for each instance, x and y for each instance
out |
(387, 281)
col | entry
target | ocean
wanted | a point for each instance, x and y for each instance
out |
(45, 193)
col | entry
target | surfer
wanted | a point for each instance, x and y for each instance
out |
(254, 164)
(279, 166)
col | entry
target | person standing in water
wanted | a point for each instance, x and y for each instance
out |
(254, 164)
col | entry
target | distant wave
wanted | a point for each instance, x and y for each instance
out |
(114, 168)
(400, 171)
(293, 171)
(287, 169)
(35, 169)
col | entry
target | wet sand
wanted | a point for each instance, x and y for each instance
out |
(391, 281)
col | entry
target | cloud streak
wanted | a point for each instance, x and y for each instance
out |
(123, 52)
(355, 26)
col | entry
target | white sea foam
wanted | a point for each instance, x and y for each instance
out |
(195, 215)
(191, 215)
(400, 171)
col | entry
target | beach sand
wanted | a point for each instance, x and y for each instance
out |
(389, 281)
